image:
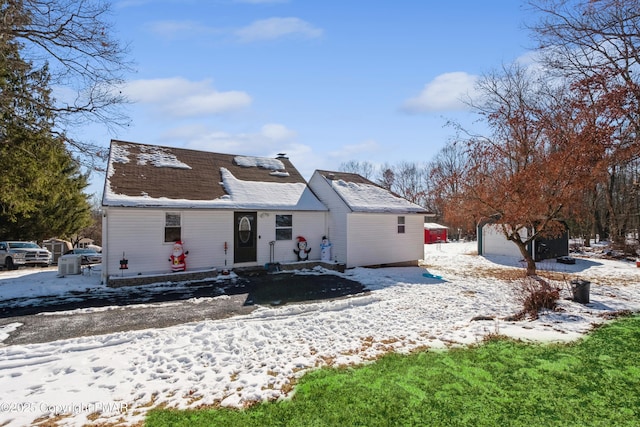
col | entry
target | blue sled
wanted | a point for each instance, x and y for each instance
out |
(432, 276)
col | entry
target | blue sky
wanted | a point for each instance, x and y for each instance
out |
(324, 81)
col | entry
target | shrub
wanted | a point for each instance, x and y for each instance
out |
(536, 294)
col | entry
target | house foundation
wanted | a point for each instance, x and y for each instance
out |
(186, 276)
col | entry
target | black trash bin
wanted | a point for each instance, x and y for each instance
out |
(580, 289)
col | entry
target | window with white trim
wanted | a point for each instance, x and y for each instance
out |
(400, 225)
(172, 227)
(284, 227)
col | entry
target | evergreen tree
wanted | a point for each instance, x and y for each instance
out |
(40, 183)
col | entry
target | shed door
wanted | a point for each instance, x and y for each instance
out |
(245, 237)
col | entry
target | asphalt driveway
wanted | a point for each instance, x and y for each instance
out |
(53, 326)
(137, 308)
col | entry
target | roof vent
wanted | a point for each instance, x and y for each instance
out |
(282, 156)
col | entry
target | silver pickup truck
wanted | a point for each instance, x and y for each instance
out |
(14, 254)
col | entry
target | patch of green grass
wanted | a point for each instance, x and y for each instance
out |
(594, 382)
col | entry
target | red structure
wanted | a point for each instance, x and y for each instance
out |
(178, 257)
(434, 233)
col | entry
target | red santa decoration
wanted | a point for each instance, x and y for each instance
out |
(178, 257)
(302, 251)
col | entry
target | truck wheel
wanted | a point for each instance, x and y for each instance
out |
(9, 264)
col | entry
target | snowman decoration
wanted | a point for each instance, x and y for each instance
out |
(178, 257)
(302, 250)
(325, 249)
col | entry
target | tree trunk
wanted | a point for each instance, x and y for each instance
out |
(531, 263)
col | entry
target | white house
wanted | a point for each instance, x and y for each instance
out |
(369, 225)
(228, 211)
(232, 211)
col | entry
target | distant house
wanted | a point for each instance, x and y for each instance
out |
(227, 210)
(369, 225)
(491, 241)
(57, 247)
(86, 242)
(434, 233)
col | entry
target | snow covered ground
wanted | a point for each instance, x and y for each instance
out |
(235, 361)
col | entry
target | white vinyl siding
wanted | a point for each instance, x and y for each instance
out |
(368, 238)
(128, 235)
(373, 239)
(310, 225)
(139, 233)
(494, 242)
(337, 216)
(204, 233)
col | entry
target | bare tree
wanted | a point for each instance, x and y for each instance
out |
(444, 176)
(533, 166)
(595, 45)
(73, 40)
(365, 169)
(387, 177)
(405, 179)
(409, 182)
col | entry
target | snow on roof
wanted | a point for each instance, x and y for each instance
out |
(241, 195)
(160, 158)
(372, 198)
(262, 162)
(434, 226)
(270, 195)
(119, 153)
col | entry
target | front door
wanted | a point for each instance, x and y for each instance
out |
(245, 237)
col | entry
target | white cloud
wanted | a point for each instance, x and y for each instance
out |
(220, 142)
(265, 29)
(444, 93)
(533, 62)
(303, 158)
(208, 103)
(351, 151)
(179, 97)
(269, 140)
(275, 28)
(261, 144)
(277, 132)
